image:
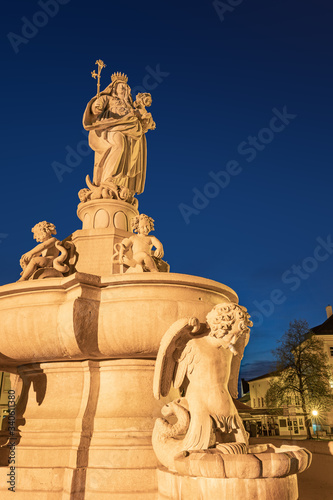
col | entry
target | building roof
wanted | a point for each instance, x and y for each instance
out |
(245, 399)
(266, 375)
(325, 328)
(241, 407)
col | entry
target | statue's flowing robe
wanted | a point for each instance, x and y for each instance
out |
(126, 164)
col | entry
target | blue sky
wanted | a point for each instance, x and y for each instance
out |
(243, 96)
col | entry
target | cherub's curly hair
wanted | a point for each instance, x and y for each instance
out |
(135, 222)
(223, 316)
(43, 228)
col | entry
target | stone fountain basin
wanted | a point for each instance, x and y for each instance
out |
(85, 316)
(265, 461)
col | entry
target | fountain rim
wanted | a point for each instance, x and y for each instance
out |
(118, 280)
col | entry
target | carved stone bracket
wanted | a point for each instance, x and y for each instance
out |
(107, 190)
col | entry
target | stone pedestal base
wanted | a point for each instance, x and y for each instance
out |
(59, 484)
(84, 430)
(175, 487)
(104, 223)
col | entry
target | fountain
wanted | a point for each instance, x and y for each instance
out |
(81, 331)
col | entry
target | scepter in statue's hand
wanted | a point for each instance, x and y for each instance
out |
(97, 75)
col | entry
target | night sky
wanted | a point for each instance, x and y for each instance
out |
(239, 175)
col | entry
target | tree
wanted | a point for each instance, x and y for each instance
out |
(303, 370)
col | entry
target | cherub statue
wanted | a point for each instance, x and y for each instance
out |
(44, 255)
(203, 361)
(141, 245)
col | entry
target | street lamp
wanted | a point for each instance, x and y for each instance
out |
(315, 414)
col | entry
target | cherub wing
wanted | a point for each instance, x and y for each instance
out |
(235, 363)
(175, 355)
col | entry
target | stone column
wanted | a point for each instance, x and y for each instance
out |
(104, 223)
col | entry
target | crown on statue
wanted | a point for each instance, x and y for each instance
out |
(119, 77)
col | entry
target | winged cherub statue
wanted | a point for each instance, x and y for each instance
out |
(202, 361)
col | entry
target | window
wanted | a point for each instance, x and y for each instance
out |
(331, 351)
(283, 423)
(258, 402)
(254, 403)
(262, 402)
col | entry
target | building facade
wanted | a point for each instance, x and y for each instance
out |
(325, 333)
(287, 421)
(290, 420)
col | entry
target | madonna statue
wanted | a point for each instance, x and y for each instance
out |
(117, 128)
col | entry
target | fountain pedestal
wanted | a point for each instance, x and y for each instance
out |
(85, 429)
(104, 223)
